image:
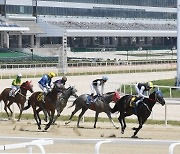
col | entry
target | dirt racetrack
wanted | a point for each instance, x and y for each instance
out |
(27, 128)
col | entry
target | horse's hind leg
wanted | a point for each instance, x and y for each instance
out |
(122, 122)
(84, 109)
(72, 114)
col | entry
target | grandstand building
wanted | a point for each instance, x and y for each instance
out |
(89, 24)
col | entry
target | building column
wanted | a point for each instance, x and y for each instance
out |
(32, 41)
(6, 39)
(2, 39)
(38, 41)
(20, 41)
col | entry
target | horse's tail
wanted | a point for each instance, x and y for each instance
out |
(0, 97)
(28, 106)
(119, 104)
(72, 104)
(116, 107)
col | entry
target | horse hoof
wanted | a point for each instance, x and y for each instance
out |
(122, 132)
(134, 136)
(117, 127)
(39, 128)
(133, 128)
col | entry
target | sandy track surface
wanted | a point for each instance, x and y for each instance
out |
(103, 131)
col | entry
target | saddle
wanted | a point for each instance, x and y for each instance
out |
(91, 99)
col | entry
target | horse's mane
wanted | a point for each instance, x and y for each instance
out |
(108, 93)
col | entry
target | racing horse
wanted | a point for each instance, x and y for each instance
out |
(53, 100)
(62, 100)
(142, 111)
(19, 99)
(100, 105)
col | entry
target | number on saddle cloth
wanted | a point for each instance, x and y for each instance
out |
(40, 97)
(133, 101)
(13, 94)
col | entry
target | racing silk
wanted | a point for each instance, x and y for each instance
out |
(96, 84)
(60, 84)
(45, 81)
(141, 88)
(16, 82)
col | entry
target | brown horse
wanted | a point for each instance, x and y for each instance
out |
(56, 101)
(100, 105)
(19, 99)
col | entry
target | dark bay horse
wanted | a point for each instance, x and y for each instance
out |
(142, 111)
(98, 106)
(53, 101)
(19, 99)
(62, 100)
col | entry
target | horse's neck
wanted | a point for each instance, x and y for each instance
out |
(66, 94)
(151, 101)
(23, 91)
(108, 98)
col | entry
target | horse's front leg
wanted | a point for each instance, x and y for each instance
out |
(141, 122)
(96, 117)
(20, 113)
(51, 120)
(58, 114)
(110, 118)
(8, 106)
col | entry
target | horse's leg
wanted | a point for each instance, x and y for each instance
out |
(8, 106)
(55, 118)
(5, 108)
(37, 114)
(141, 122)
(122, 122)
(45, 114)
(96, 117)
(84, 109)
(72, 114)
(36, 117)
(110, 118)
(21, 109)
(51, 119)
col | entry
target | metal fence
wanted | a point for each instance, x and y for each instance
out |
(90, 68)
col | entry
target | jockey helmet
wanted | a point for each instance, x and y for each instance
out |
(150, 85)
(105, 78)
(51, 74)
(19, 75)
(64, 78)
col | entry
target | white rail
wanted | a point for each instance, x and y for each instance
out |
(28, 145)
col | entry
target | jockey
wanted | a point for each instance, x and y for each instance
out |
(60, 84)
(141, 88)
(45, 82)
(96, 85)
(16, 83)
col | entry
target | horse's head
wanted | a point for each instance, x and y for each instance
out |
(28, 86)
(158, 96)
(73, 91)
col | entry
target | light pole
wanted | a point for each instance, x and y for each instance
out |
(178, 44)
